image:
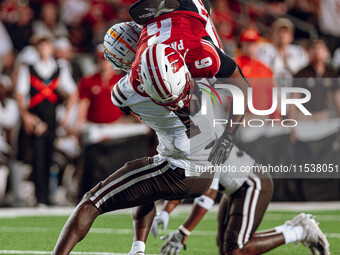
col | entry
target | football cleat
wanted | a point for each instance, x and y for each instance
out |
(312, 237)
(137, 253)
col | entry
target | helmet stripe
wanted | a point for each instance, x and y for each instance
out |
(167, 93)
(121, 40)
(151, 70)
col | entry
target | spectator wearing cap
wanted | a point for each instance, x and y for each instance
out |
(9, 116)
(41, 86)
(320, 79)
(283, 57)
(260, 76)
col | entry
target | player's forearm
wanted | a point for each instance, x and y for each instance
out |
(171, 205)
(201, 207)
(195, 217)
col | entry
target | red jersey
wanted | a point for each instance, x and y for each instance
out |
(185, 32)
(261, 79)
(94, 89)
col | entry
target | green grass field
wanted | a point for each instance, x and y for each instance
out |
(112, 234)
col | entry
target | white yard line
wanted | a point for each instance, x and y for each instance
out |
(121, 231)
(66, 211)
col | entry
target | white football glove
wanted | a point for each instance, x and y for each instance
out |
(160, 219)
(173, 244)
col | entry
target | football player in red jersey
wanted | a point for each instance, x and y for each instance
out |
(166, 175)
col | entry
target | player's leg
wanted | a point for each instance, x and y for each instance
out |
(247, 207)
(142, 221)
(246, 213)
(223, 213)
(76, 227)
(139, 182)
(222, 219)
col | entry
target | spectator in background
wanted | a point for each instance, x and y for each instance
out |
(304, 10)
(329, 20)
(73, 11)
(336, 60)
(100, 15)
(9, 116)
(225, 25)
(95, 94)
(6, 50)
(320, 81)
(64, 53)
(284, 58)
(49, 21)
(260, 76)
(97, 115)
(40, 87)
(122, 8)
(20, 30)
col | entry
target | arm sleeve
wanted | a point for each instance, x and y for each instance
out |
(23, 82)
(67, 83)
(228, 65)
(10, 116)
(6, 43)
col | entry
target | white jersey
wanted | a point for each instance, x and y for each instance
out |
(234, 172)
(182, 144)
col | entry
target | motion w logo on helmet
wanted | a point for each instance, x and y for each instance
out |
(173, 60)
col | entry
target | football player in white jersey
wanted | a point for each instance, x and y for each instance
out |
(167, 175)
(251, 191)
(240, 186)
(244, 202)
(170, 174)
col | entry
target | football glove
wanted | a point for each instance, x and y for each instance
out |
(221, 149)
(160, 219)
(175, 241)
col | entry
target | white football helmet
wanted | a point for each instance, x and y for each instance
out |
(165, 77)
(120, 43)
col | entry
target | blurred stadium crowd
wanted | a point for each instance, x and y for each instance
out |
(44, 153)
